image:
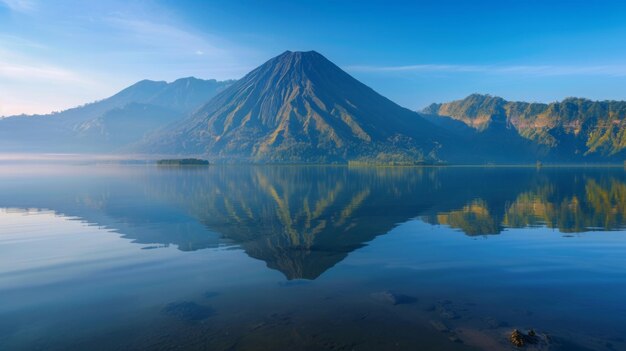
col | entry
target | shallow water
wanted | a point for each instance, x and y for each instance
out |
(105, 257)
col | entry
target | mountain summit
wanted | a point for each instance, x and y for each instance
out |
(300, 107)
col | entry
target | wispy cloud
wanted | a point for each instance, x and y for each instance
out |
(14, 66)
(535, 70)
(79, 51)
(12, 70)
(167, 37)
(158, 42)
(30, 86)
(35, 85)
(19, 5)
(7, 40)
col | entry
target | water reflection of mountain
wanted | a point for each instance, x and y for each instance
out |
(300, 220)
(570, 201)
(303, 220)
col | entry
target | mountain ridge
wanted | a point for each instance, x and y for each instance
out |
(64, 131)
(573, 128)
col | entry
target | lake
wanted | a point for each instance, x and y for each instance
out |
(141, 257)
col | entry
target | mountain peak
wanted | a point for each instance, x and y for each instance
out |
(188, 79)
(304, 60)
(309, 53)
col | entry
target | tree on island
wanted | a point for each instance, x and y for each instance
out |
(183, 162)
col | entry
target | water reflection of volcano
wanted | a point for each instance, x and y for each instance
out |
(301, 220)
(304, 220)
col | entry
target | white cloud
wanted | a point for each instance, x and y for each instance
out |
(536, 70)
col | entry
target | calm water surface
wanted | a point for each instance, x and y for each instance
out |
(310, 258)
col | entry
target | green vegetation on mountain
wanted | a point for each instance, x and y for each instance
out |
(573, 129)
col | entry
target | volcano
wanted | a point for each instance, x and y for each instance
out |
(300, 107)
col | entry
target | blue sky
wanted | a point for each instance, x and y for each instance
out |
(62, 53)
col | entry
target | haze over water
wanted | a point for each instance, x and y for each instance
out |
(314, 257)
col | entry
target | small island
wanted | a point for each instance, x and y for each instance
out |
(183, 162)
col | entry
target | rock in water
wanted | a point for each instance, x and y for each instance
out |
(517, 338)
(520, 339)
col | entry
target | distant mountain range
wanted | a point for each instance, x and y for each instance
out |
(574, 129)
(301, 108)
(111, 124)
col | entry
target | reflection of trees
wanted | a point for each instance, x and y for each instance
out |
(608, 203)
(597, 203)
(472, 219)
(600, 204)
(531, 209)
